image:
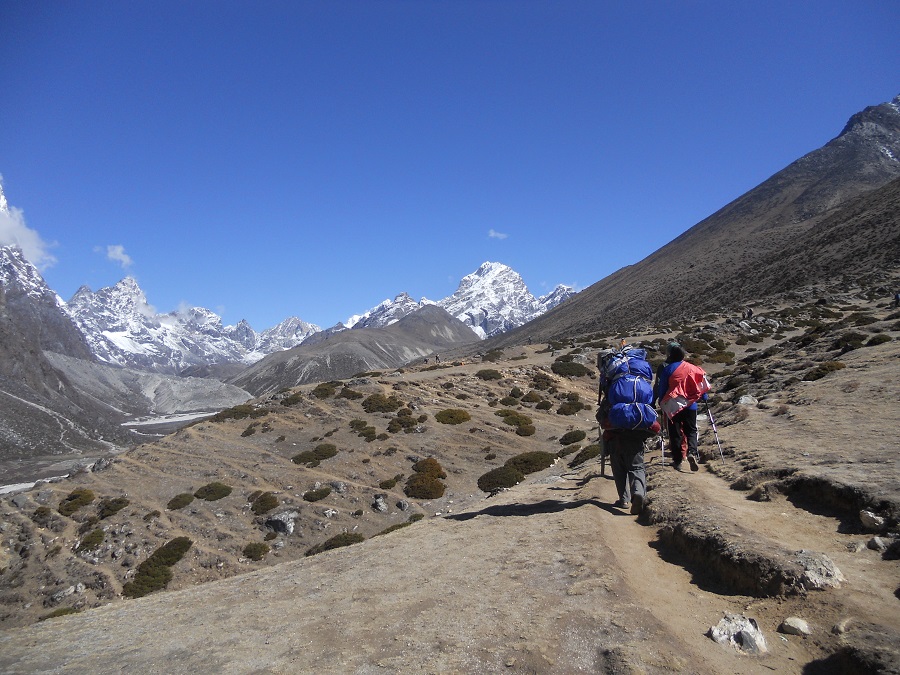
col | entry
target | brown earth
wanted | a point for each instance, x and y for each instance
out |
(544, 577)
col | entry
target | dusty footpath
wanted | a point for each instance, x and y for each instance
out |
(546, 577)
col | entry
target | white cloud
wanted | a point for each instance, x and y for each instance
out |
(116, 253)
(14, 232)
(493, 234)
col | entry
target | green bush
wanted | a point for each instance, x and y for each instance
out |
(42, 516)
(109, 507)
(493, 356)
(256, 550)
(515, 392)
(452, 416)
(586, 454)
(62, 611)
(154, 574)
(532, 397)
(349, 393)
(542, 381)
(317, 495)
(151, 515)
(238, 412)
(509, 401)
(529, 462)
(488, 374)
(91, 541)
(421, 486)
(325, 390)
(570, 408)
(180, 501)
(264, 503)
(543, 405)
(430, 467)
(213, 492)
(822, 370)
(501, 477)
(572, 437)
(513, 418)
(526, 430)
(343, 539)
(879, 339)
(75, 500)
(381, 403)
(569, 369)
(250, 430)
(849, 341)
(293, 399)
(313, 457)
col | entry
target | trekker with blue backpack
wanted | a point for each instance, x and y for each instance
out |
(679, 385)
(627, 418)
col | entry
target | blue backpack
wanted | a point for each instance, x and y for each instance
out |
(626, 381)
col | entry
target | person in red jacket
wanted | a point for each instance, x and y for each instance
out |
(679, 385)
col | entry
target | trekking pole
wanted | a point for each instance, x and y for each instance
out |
(715, 431)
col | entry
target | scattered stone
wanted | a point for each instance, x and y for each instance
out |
(856, 546)
(794, 626)
(403, 505)
(741, 633)
(62, 595)
(282, 523)
(820, 572)
(871, 521)
(330, 513)
(877, 544)
(842, 626)
(101, 464)
(338, 486)
(746, 399)
(379, 504)
(19, 501)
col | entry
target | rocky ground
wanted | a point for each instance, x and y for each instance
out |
(544, 577)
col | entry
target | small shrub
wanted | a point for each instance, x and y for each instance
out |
(41, 516)
(293, 399)
(532, 397)
(425, 483)
(179, 501)
(543, 405)
(350, 394)
(879, 339)
(586, 454)
(493, 356)
(238, 412)
(312, 457)
(91, 541)
(488, 374)
(509, 401)
(430, 467)
(150, 516)
(572, 437)
(529, 462)
(452, 416)
(264, 503)
(781, 410)
(317, 495)
(392, 528)
(490, 456)
(154, 574)
(542, 381)
(343, 539)
(256, 550)
(499, 478)
(513, 418)
(570, 408)
(75, 500)
(526, 430)
(381, 403)
(213, 492)
(109, 507)
(515, 392)
(822, 370)
(62, 611)
(325, 390)
(250, 430)
(569, 369)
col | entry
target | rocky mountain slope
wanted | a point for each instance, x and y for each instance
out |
(427, 331)
(547, 576)
(123, 329)
(790, 231)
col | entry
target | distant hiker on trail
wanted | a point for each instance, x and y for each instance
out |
(749, 313)
(627, 420)
(679, 385)
(897, 299)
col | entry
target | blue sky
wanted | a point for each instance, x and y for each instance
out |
(269, 159)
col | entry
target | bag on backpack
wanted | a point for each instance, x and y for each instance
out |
(687, 385)
(626, 381)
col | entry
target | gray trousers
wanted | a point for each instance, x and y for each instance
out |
(626, 457)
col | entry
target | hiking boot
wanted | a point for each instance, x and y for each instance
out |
(693, 462)
(637, 504)
(677, 465)
(620, 504)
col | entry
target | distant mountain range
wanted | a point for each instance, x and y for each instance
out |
(119, 326)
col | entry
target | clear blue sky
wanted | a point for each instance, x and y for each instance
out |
(268, 159)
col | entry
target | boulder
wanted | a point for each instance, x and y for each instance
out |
(282, 523)
(379, 504)
(741, 633)
(819, 571)
(871, 521)
(794, 626)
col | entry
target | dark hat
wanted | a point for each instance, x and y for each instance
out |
(674, 352)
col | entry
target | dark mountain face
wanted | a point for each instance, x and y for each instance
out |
(425, 332)
(834, 211)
